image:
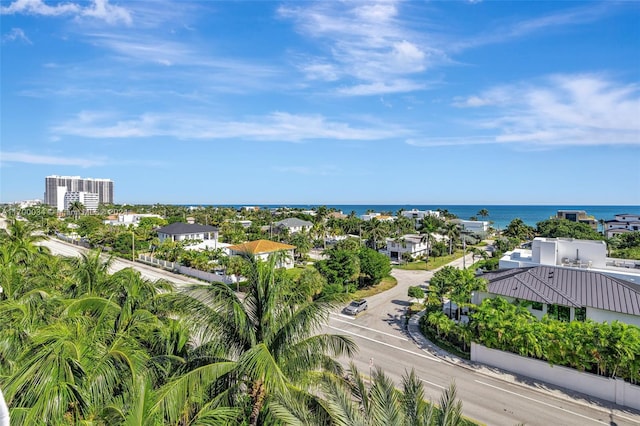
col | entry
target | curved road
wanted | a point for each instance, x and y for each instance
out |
(488, 395)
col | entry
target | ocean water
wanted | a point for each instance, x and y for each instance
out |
(500, 215)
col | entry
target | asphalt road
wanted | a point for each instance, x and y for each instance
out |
(489, 396)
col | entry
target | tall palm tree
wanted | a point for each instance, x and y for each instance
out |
(452, 231)
(430, 225)
(376, 230)
(260, 352)
(483, 213)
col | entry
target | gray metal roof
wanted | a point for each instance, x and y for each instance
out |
(180, 228)
(566, 286)
(293, 222)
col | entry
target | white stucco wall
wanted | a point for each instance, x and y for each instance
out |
(600, 315)
(613, 390)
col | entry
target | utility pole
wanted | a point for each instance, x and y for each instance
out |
(133, 246)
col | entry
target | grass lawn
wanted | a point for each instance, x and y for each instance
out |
(434, 262)
(384, 285)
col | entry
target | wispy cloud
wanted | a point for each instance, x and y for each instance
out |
(28, 158)
(97, 9)
(366, 42)
(278, 126)
(16, 34)
(561, 110)
(502, 32)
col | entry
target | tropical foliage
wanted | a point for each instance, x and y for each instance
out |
(355, 403)
(556, 228)
(81, 346)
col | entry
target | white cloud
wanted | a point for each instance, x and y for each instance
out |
(562, 110)
(39, 7)
(24, 157)
(16, 34)
(368, 43)
(278, 126)
(381, 88)
(109, 13)
(99, 9)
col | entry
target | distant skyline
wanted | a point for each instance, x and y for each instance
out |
(303, 102)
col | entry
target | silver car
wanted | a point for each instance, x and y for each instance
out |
(356, 307)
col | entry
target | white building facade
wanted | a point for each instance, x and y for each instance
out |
(622, 224)
(89, 200)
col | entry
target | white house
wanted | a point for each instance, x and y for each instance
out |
(262, 249)
(129, 219)
(293, 225)
(378, 216)
(413, 244)
(572, 253)
(565, 293)
(419, 214)
(475, 226)
(188, 231)
(622, 224)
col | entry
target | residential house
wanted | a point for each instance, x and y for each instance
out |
(128, 219)
(293, 225)
(419, 214)
(413, 244)
(622, 224)
(378, 216)
(573, 254)
(580, 216)
(566, 293)
(474, 226)
(188, 231)
(262, 249)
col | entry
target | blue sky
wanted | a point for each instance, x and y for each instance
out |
(415, 102)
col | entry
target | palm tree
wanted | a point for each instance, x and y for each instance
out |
(430, 225)
(483, 213)
(381, 404)
(22, 236)
(376, 230)
(452, 231)
(259, 352)
(76, 208)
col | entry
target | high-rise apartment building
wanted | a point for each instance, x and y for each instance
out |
(57, 186)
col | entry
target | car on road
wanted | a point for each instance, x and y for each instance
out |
(355, 307)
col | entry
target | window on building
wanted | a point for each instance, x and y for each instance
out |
(581, 314)
(536, 306)
(559, 312)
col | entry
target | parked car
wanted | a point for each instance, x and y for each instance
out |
(355, 307)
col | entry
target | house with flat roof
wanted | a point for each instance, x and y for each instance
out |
(579, 216)
(574, 254)
(180, 231)
(475, 226)
(262, 249)
(566, 293)
(622, 224)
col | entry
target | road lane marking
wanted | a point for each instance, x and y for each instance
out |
(432, 384)
(372, 329)
(541, 402)
(386, 344)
